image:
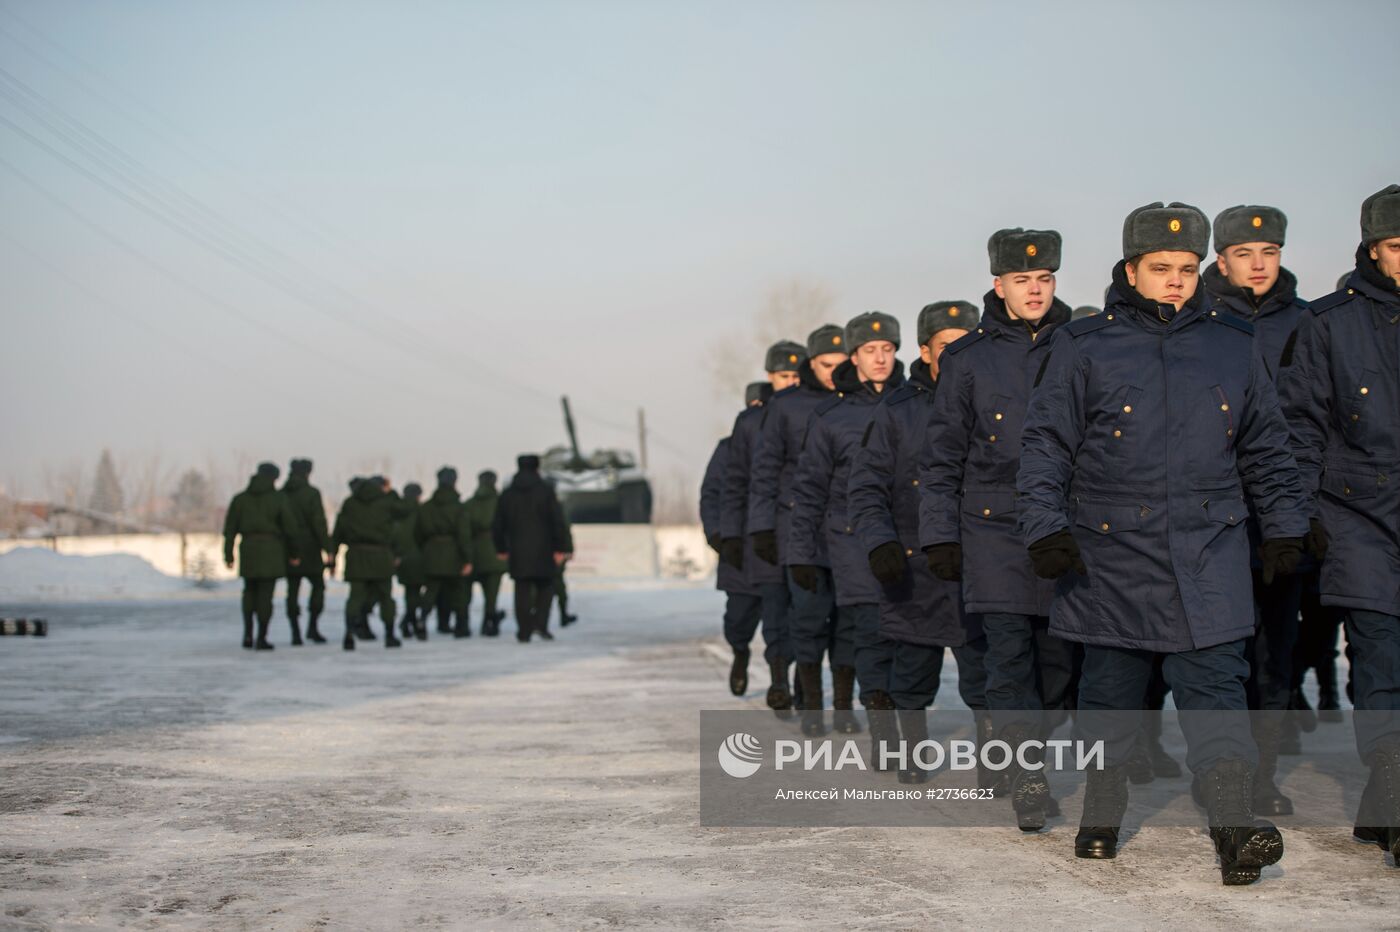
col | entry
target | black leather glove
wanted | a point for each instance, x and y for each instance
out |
(714, 541)
(1316, 540)
(765, 546)
(731, 551)
(1279, 557)
(887, 562)
(804, 576)
(945, 561)
(1054, 556)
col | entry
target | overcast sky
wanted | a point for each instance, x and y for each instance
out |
(360, 232)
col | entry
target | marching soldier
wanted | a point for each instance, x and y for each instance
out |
(921, 614)
(852, 630)
(532, 538)
(305, 499)
(410, 570)
(444, 532)
(1249, 281)
(967, 521)
(365, 527)
(1341, 392)
(561, 588)
(783, 362)
(1149, 425)
(486, 569)
(270, 536)
(743, 607)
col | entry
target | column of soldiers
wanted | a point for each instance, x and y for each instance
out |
(1091, 509)
(439, 549)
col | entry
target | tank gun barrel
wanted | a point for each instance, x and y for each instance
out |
(578, 461)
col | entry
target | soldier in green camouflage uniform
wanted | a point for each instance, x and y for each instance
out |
(443, 531)
(305, 499)
(487, 569)
(411, 575)
(269, 536)
(365, 526)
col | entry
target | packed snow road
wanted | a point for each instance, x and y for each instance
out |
(154, 775)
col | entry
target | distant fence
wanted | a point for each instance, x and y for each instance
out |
(676, 551)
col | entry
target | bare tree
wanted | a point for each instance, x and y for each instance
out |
(790, 312)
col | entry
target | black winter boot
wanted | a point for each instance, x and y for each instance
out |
(1028, 788)
(389, 639)
(247, 629)
(811, 676)
(1105, 802)
(884, 729)
(739, 672)
(1245, 844)
(263, 643)
(463, 628)
(313, 632)
(913, 723)
(779, 693)
(296, 631)
(843, 687)
(1378, 819)
(1268, 800)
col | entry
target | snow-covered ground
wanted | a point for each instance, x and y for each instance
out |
(37, 574)
(154, 775)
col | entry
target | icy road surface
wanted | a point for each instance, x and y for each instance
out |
(154, 775)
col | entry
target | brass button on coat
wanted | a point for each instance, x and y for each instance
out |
(1104, 526)
(1127, 409)
(986, 512)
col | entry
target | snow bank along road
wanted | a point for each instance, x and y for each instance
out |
(154, 775)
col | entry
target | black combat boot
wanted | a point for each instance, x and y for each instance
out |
(843, 687)
(490, 625)
(247, 629)
(406, 625)
(1268, 800)
(739, 672)
(313, 631)
(811, 676)
(779, 693)
(1028, 788)
(362, 629)
(349, 642)
(1378, 818)
(1329, 708)
(296, 630)
(443, 625)
(420, 625)
(1105, 802)
(389, 639)
(463, 629)
(1245, 844)
(884, 728)
(1163, 764)
(262, 642)
(913, 723)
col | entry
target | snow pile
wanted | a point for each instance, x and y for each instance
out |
(38, 574)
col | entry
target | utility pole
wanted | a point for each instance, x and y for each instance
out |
(642, 437)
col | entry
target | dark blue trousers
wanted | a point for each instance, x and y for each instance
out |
(918, 668)
(818, 627)
(776, 612)
(1275, 638)
(1374, 640)
(874, 652)
(742, 612)
(1210, 680)
(1028, 669)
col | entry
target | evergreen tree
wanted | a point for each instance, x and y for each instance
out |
(106, 488)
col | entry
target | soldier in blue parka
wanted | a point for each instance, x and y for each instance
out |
(782, 428)
(743, 607)
(1147, 429)
(1249, 281)
(920, 613)
(781, 362)
(1341, 392)
(819, 490)
(967, 505)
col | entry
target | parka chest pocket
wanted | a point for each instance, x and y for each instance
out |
(1351, 484)
(996, 507)
(1227, 511)
(1109, 518)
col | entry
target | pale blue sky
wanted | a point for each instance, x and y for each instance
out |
(419, 211)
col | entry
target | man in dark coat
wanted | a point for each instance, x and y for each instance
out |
(1248, 280)
(743, 607)
(1341, 392)
(967, 510)
(561, 587)
(269, 536)
(486, 569)
(782, 362)
(444, 532)
(305, 500)
(852, 631)
(365, 526)
(533, 538)
(410, 570)
(1149, 425)
(920, 613)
